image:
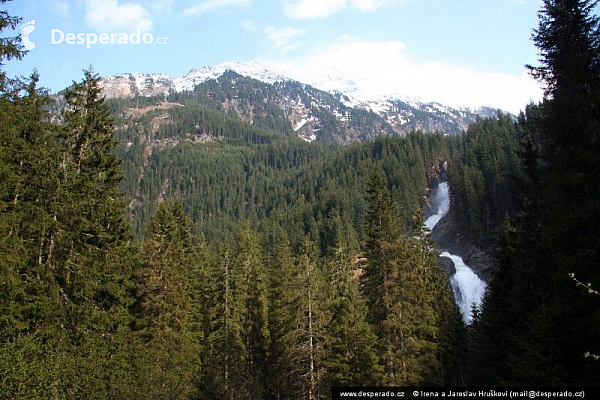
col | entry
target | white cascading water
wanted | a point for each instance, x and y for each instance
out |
(468, 288)
(441, 198)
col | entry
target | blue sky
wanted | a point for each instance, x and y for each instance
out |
(453, 50)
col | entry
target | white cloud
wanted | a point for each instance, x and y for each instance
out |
(162, 5)
(209, 5)
(369, 5)
(60, 7)
(306, 9)
(303, 9)
(389, 65)
(282, 37)
(109, 15)
(248, 24)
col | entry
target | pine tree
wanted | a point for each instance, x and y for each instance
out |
(381, 228)
(282, 273)
(10, 47)
(251, 290)
(90, 243)
(75, 294)
(304, 346)
(567, 38)
(31, 308)
(351, 351)
(224, 353)
(165, 327)
(15, 112)
(556, 231)
(411, 328)
(409, 299)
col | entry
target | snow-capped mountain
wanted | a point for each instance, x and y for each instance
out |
(326, 93)
(357, 91)
(252, 69)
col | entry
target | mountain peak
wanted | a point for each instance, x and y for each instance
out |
(253, 69)
(308, 98)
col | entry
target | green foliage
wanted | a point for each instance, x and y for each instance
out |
(483, 179)
(224, 355)
(203, 305)
(540, 323)
(351, 351)
(10, 47)
(252, 293)
(165, 324)
(305, 344)
(588, 286)
(409, 300)
(223, 181)
(67, 270)
(382, 229)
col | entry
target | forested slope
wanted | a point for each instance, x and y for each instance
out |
(243, 280)
(176, 248)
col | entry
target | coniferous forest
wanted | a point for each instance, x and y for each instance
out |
(164, 247)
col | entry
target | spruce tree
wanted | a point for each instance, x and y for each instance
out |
(224, 352)
(556, 232)
(76, 260)
(381, 228)
(10, 47)
(351, 351)
(304, 346)
(251, 290)
(409, 299)
(165, 327)
(379, 281)
(90, 244)
(568, 38)
(282, 272)
(30, 303)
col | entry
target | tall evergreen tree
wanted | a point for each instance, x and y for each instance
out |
(282, 272)
(165, 326)
(90, 243)
(30, 303)
(12, 140)
(381, 228)
(409, 298)
(224, 353)
(380, 280)
(10, 47)
(77, 257)
(251, 290)
(556, 232)
(351, 350)
(305, 344)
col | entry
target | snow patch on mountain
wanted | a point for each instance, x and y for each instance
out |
(353, 91)
(300, 124)
(252, 69)
(401, 112)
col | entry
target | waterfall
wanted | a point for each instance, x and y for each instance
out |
(468, 288)
(440, 199)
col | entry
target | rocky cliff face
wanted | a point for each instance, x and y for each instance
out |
(446, 235)
(318, 108)
(133, 85)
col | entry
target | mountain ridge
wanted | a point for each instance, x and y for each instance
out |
(328, 95)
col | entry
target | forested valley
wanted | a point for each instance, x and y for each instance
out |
(168, 248)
